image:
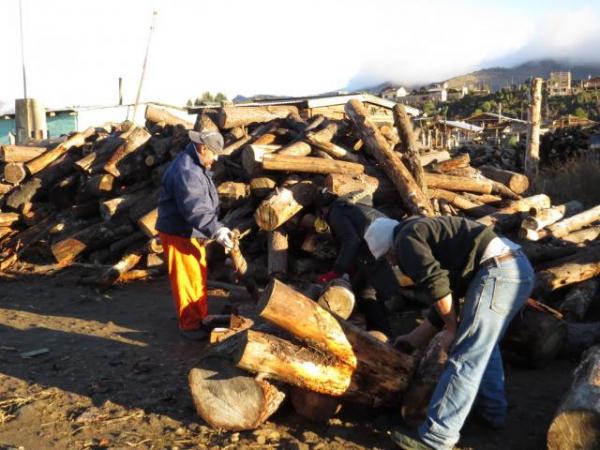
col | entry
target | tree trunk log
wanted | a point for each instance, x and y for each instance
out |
(516, 182)
(434, 157)
(576, 424)
(454, 183)
(252, 157)
(313, 406)
(534, 338)
(47, 158)
(261, 187)
(120, 205)
(539, 252)
(277, 253)
(408, 146)
(88, 239)
(574, 223)
(113, 273)
(338, 298)
(431, 366)
(15, 172)
(578, 300)
(298, 148)
(157, 115)
(383, 372)
(100, 185)
(232, 193)
(95, 160)
(230, 399)
(580, 337)
(458, 162)
(38, 186)
(573, 269)
(238, 116)
(412, 196)
(19, 153)
(283, 204)
(120, 164)
(8, 219)
(309, 164)
(540, 218)
(581, 236)
(509, 217)
(462, 203)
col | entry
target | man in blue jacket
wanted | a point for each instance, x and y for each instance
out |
(188, 209)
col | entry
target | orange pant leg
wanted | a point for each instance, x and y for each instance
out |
(186, 264)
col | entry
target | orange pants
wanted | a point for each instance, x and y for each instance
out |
(186, 263)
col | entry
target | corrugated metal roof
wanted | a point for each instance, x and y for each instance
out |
(462, 125)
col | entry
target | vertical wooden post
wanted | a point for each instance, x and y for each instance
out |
(532, 156)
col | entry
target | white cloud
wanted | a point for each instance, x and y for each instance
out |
(76, 50)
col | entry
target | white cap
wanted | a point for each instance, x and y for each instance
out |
(380, 236)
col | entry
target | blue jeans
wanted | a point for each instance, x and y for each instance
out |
(474, 369)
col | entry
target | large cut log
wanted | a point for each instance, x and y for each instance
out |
(468, 207)
(458, 162)
(574, 223)
(572, 269)
(95, 160)
(360, 186)
(409, 148)
(121, 164)
(411, 194)
(510, 216)
(383, 371)
(37, 186)
(578, 300)
(232, 148)
(230, 399)
(581, 236)
(8, 219)
(5, 188)
(15, 172)
(576, 424)
(422, 385)
(460, 184)
(47, 158)
(283, 204)
(120, 205)
(309, 164)
(540, 218)
(434, 157)
(338, 298)
(539, 252)
(534, 338)
(277, 247)
(158, 115)
(237, 116)
(19, 153)
(325, 134)
(298, 148)
(516, 182)
(88, 239)
(252, 157)
(313, 406)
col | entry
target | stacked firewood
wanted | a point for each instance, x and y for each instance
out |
(563, 144)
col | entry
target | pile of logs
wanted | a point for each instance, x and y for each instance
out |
(91, 198)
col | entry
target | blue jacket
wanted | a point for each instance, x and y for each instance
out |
(188, 204)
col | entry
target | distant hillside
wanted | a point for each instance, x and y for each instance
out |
(499, 77)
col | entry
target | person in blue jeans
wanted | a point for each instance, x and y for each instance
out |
(449, 258)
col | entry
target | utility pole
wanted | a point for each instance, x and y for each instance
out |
(22, 49)
(139, 91)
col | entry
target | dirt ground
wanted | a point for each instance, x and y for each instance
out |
(112, 373)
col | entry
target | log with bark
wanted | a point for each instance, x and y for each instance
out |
(277, 253)
(147, 223)
(237, 116)
(509, 217)
(581, 236)
(412, 196)
(573, 223)
(578, 300)
(580, 337)
(121, 164)
(283, 204)
(158, 115)
(408, 146)
(228, 398)
(576, 424)
(338, 298)
(252, 157)
(468, 207)
(516, 182)
(308, 164)
(19, 153)
(449, 165)
(118, 206)
(540, 218)
(460, 184)
(314, 406)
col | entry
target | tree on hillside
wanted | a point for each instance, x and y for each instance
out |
(428, 107)
(581, 113)
(220, 97)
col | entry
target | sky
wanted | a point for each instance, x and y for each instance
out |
(76, 50)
